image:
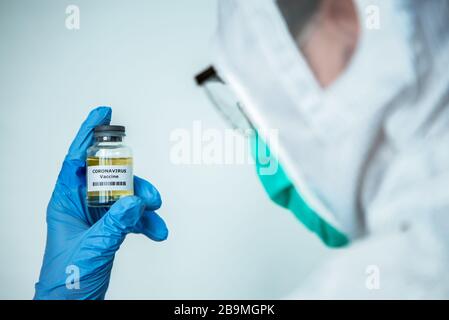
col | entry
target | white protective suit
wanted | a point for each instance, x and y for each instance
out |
(370, 153)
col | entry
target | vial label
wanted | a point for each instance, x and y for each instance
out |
(109, 178)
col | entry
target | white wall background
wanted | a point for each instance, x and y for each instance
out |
(226, 239)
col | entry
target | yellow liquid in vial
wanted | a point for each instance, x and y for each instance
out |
(106, 198)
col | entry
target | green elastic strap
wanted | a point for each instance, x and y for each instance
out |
(283, 193)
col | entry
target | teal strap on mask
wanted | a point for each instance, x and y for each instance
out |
(283, 193)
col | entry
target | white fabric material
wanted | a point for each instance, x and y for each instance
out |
(371, 153)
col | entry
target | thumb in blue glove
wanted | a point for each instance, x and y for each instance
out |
(82, 241)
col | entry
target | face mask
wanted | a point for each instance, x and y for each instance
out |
(324, 136)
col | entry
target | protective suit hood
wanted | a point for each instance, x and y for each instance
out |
(347, 147)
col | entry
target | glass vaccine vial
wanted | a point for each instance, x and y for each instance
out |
(109, 167)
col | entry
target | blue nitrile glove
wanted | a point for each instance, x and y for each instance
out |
(83, 241)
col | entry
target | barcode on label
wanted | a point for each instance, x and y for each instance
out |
(109, 183)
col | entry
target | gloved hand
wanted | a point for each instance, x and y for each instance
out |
(82, 241)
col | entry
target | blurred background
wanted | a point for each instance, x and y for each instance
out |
(227, 240)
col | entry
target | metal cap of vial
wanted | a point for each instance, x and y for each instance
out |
(107, 130)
